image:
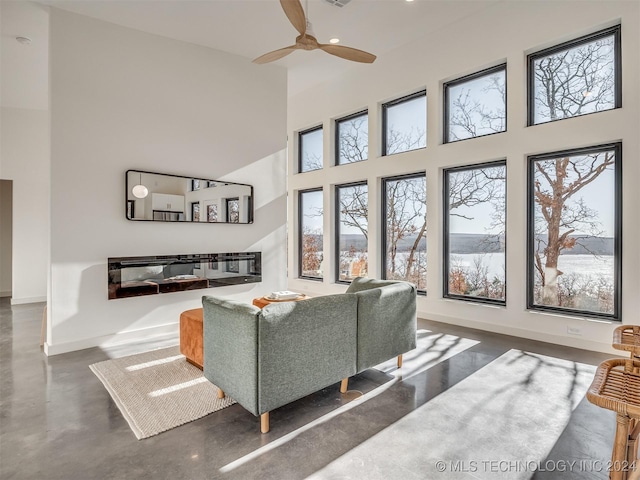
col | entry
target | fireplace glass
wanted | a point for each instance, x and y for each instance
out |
(137, 276)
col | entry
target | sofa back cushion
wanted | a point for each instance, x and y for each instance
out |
(305, 346)
(362, 283)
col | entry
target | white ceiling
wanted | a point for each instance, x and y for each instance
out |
(252, 27)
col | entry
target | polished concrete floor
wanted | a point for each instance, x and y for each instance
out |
(58, 422)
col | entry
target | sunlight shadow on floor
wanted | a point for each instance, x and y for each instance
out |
(431, 349)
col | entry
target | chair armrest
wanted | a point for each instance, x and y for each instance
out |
(386, 323)
(230, 335)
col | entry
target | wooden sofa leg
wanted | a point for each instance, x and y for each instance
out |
(264, 422)
(344, 385)
(220, 393)
(399, 361)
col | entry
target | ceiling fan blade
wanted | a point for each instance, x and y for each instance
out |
(348, 53)
(276, 54)
(294, 12)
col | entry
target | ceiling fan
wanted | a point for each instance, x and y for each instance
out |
(306, 40)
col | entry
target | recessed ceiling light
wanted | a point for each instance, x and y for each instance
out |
(409, 0)
(334, 40)
(23, 40)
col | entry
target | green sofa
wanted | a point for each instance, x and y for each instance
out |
(264, 359)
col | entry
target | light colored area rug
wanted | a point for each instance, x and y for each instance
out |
(499, 423)
(158, 390)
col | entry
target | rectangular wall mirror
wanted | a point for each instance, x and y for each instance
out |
(162, 197)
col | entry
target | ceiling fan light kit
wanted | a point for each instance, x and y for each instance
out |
(307, 41)
(337, 3)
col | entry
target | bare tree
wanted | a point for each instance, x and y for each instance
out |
(398, 141)
(475, 186)
(556, 182)
(568, 83)
(354, 210)
(575, 81)
(354, 140)
(472, 114)
(406, 220)
(311, 161)
(406, 213)
(468, 189)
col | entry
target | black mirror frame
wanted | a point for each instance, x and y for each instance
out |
(127, 200)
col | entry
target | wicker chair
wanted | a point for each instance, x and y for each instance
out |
(616, 387)
(627, 337)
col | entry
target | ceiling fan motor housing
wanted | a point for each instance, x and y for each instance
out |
(337, 3)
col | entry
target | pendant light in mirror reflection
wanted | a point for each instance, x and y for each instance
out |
(176, 198)
(140, 191)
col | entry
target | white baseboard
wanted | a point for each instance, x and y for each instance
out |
(523, 333)
(5, 294)
(22, 301)
(120, 338)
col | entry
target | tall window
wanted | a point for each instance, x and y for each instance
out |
(195, 212)
(351, 231)
(405, 242)
(233, 210)
(310, 249)
(474, 232)
(404, 123)
(574, 254)
(476, 105)
(352, 138)
(575, 78)
(310, 150)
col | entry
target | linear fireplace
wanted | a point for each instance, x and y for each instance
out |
(137, 276)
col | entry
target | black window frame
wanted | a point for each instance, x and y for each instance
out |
(336, 240)
(193, 184)
(300, 143)
(300, 234)
(616, 316)
(336, 142)
(467, 78)
(617, 54)
(383, 242)
(393, 103)
(445, 237)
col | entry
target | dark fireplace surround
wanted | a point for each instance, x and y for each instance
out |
(138, 276)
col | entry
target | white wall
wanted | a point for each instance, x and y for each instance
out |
(504, 32)
(24, 149)
(6, 196)
(122, 99)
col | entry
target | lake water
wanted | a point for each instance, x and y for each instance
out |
(580, 264)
